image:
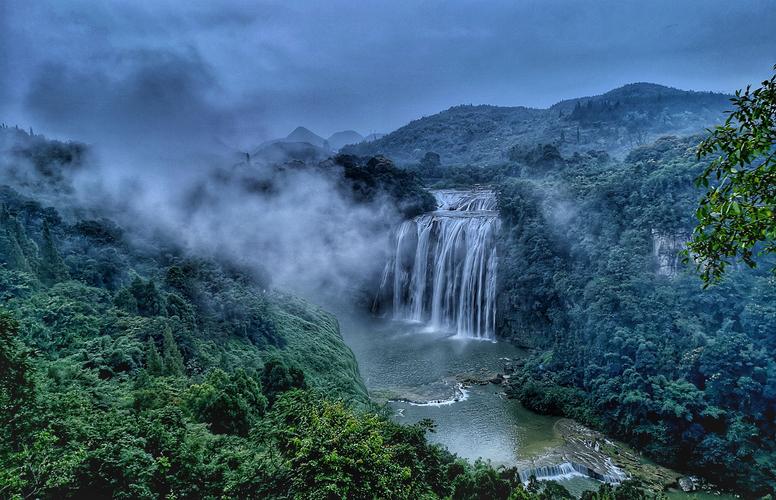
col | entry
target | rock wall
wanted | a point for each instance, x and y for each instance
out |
(665, 248)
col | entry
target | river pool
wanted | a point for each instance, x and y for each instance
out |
(406, 361)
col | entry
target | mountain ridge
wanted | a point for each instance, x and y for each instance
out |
(340, 139)
(615, 121)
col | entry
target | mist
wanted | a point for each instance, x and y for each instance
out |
(164, 157)
(301, 228)
(168, 101)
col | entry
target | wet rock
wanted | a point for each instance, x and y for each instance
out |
(689, 483)
(476, 378)
(498, 379)
(447, 389)
(605, 458)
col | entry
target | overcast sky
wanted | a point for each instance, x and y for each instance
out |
(239, 72)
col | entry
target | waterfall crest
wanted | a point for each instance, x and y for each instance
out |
(443, 268)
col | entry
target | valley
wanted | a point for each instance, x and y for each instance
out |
(518, 321)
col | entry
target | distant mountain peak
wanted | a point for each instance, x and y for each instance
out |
(303, 134)
(643, 85)
(346, 132)
(640, 90)
(300, 130)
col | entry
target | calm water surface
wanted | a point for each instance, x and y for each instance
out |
(402, 358)
(406, 359)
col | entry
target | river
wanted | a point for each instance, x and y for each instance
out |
(401, 360)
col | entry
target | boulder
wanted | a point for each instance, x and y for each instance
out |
(688, 483)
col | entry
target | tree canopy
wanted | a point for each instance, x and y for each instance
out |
(736, 215)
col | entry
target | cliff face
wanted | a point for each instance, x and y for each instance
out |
(313, 341)
(665, 249)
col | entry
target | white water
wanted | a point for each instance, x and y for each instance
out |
(461, 394)
(443, 269)
(566, 470)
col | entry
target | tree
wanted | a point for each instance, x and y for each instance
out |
(16, 384)
(52, 267)
(482, 481)
(336, 453)
(431, 160)
(172, 361)
(153, 360)
(13, 242)
(125, 301)
(736, 215)
(230, 404)
(276, 378)
(149, 301)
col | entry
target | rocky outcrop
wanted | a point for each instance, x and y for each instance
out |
(665, 248)
(689, 483)
(589, 453)
(441, 392)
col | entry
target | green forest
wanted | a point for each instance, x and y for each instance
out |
(627, 340)
(130, 369)
(631, 346)
(415, 250)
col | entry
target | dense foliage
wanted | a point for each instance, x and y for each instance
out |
(129, 369)
(589, 272)
(371, 178)
(737, 216)
(191, 383)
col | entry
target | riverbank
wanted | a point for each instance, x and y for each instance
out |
(460, 385)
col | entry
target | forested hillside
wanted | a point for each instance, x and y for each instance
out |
(632, 340)
(590, 275)
(616, 122)
(130, 368)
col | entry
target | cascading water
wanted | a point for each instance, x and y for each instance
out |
(612, 474)
(443, 268)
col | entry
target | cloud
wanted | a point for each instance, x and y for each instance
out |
(376, 65)
(303, 227)
(157, 105)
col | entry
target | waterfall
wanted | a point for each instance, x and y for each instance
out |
(443, 268)
(565, 470)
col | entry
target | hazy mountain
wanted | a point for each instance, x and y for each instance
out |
(338, 140)
(302, 144)
(302, 134)
(616, 122)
